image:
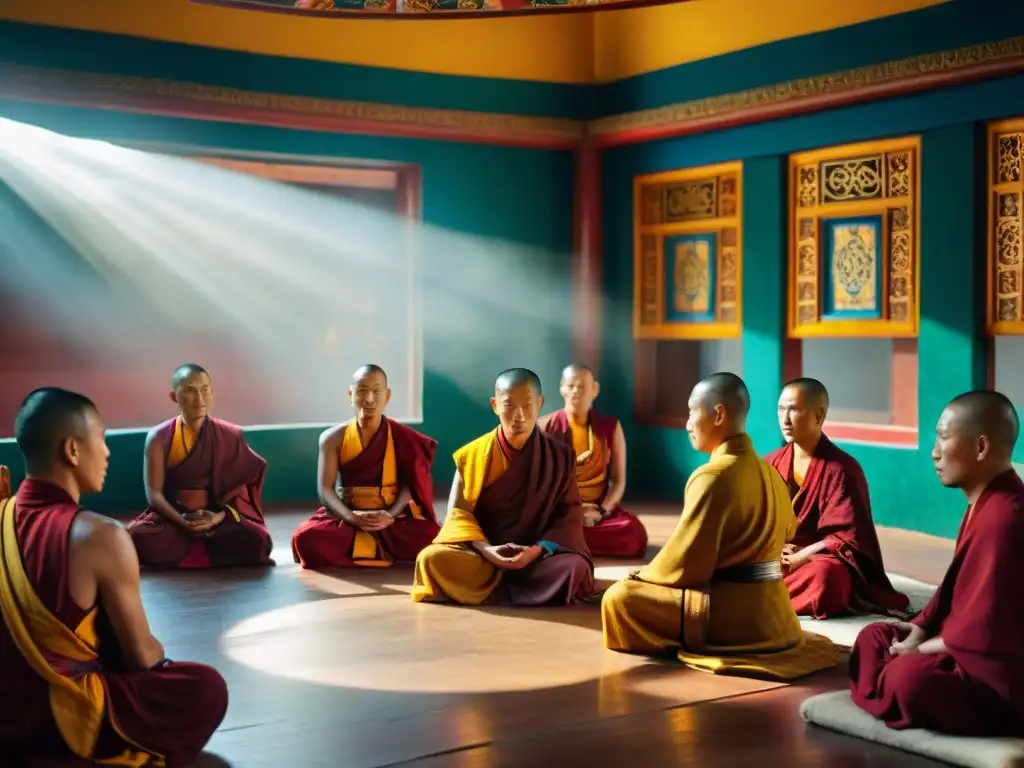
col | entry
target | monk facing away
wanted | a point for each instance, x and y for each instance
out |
(600, 447)
(714, 594)
(375, 486)
(204, 485)
(833, 565)
(958, 666)
(80, 671)
(514, 528)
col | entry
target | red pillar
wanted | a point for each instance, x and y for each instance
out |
(587, 255)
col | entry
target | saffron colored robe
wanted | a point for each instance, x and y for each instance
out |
(371, 477)
(620, 533)
(63, 690)
(521, 497)
(714, 594)
(832, 504)
(214, 470)
(975, 687)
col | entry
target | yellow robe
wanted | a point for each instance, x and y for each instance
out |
(736, 512)
(448, 569)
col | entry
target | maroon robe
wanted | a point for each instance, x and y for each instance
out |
(171, 710)
(222, 471)
(833, 505)
(974, 687)
(620, 533)
(324, 541)
(537, 500)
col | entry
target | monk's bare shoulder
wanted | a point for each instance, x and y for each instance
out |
(334, 435)
(93, 529)
(153, 440)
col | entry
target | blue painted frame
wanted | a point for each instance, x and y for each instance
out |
(669, 244)
(828, 226)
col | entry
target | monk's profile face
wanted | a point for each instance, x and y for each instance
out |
(88, 455)
(958, 450)
(194, 397)
(517, 409)
(800, 416)
(579, 392)
(707, 422)
(369, 396)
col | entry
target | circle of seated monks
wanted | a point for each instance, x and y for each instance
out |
(759, 541)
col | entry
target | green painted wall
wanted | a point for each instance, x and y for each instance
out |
(905, 492)
(516, 195)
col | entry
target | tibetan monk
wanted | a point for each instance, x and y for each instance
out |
(375, 487)
(958, 666)
(833, 566)
(714, 595)
(600, 448)
(82, 679)
(514, 529)
(204, 486)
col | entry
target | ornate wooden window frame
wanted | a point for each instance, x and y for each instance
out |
(896, 208)
(651, 200)
(1004, 264)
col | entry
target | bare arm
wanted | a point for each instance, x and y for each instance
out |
(327, 474)
(617, 489)
(110, 555)
(154, 467)
(401, 502)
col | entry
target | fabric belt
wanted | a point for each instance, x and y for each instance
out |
(750, 573)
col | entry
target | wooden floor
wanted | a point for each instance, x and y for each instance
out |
(342, 670)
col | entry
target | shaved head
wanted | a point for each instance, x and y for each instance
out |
(518, 377)
(575, 369)
(367, 370)
(814, 391)
(47, 418)
(185, 372)
(726, 390)
(987, 413)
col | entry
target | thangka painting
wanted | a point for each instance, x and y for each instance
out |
(1005, 265)
(687, 255)
(853, 256)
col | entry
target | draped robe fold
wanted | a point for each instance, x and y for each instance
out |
(371, 477)
(214, 470)
(975, 687)
(520, 497)
(620, 533)
(736, 517)
(833, 505)
(63, 689)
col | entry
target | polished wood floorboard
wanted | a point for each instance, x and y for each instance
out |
(342, 670)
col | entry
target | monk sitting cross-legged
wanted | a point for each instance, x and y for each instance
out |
(958, 666)
(714, 594)
(600, 448)
(833, 566)
(384, 508)
(82, 679)
(514, 529)
(204, 486)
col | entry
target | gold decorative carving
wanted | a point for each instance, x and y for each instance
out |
(688, 257)
(853, 264)
(1005, 260)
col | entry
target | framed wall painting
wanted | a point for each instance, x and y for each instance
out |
(687, 262)
(854, 263)
(1004, 272)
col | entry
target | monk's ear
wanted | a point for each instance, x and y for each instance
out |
(69, 451)
(387, 395)
(540, 403)
(984, 447)
(494, 405)
(174, 396)
(597, 389)
(720, 414)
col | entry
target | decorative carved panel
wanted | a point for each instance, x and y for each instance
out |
(1004, 263)
(688, 254)
(853, 254)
